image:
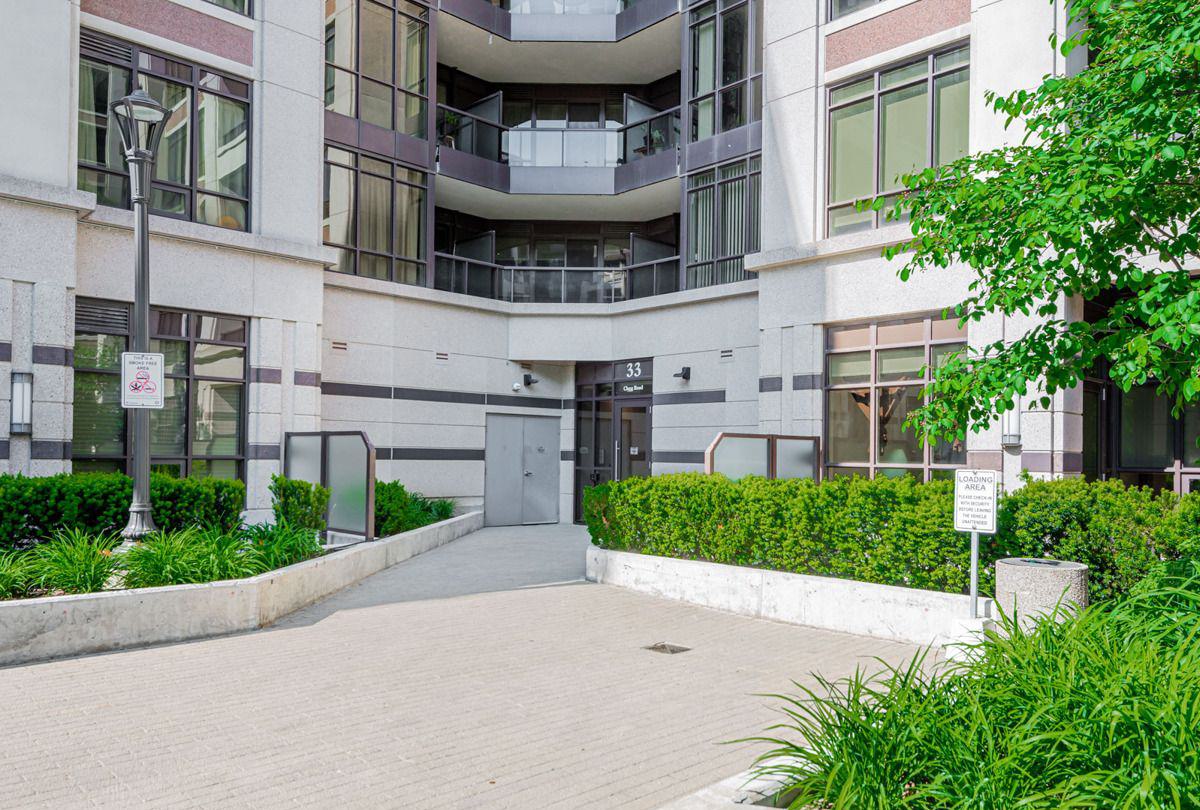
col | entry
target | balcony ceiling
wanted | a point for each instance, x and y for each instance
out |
(642, 58)
(638, 205)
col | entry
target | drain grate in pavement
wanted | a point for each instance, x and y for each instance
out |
(668, 649)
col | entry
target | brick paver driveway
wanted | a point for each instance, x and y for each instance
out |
(482, 674)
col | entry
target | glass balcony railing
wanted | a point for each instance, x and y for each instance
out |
(555, 285)
(572, 148)
(563, 6)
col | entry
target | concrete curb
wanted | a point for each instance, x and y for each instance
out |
(865, 609)
(60, 626)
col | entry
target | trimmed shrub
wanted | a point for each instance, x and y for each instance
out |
(73, 561)
(398, 510)
(1098, 710)
(299, 504)
(892, 531)
(33, 509)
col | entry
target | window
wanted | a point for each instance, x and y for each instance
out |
(874, 374)
(897, 121)
(201, 430)
(726, 58)
(240, 6)
(374, 213)
(723, 219)
(840, 8)
(375, 62)
(202, 171)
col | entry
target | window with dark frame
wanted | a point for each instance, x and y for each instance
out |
(240, 6)
(201, 431)
(376, 69)
(896, 121)
(202, 172)
(374, 214)
(874, 375)
(723, 221)
(840, 8)
(725, 86)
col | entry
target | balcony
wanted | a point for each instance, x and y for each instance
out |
(555, 285)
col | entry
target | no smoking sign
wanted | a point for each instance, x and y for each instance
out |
(141, 380)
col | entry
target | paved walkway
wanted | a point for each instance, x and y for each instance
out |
(483, 674)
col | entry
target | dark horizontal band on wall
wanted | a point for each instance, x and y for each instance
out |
(1056, 462)
(768, 384)
(265, 375)
(49, 450)
(807, 382)
(311, 379)
(263, 452)
(678, 457)
(689, 397)
(429, 454)
(3, 449)
(567, 455)
(53, 356)
(5, 352)
(436, 395)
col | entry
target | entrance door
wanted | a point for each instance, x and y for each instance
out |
(521, 470)
(633, 440)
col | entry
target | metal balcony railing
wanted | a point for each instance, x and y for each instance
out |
(542, 147)
(555, 285)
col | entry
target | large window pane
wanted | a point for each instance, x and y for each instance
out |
(217, 418)
(850, 151)
(1147, 431)
(853, 367)
(701, 222)
(339, 91)
(212, 360)
(704, 58)
(375, 213)
(99, 420)
(375, 103)
(339, 33)
(99, 351)
(221, 212)
(376, 22)
(901, 364)
(734, 34)
(950, 115)
(175, 149)
(339, 208)
(849, 425)
(168, 427)
(221, 130)
(897, 445)
(99, 139)
(410, 221)
(903, 129)
(410, 54)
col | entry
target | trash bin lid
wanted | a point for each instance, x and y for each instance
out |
(1036, 562)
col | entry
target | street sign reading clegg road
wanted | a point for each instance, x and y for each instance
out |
(975, 501)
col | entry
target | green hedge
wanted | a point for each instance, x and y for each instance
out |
(36, 508)
(892, 531)
(299, 504)
(398, 510)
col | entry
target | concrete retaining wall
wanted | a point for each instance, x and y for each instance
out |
(883, 611)
(58, 626)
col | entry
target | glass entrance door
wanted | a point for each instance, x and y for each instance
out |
(633, 441)
(612, 423)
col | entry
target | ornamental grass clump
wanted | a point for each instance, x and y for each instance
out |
(277, 545)
(1100, 710)
(73, 561)
(15, 574)
(187, 557)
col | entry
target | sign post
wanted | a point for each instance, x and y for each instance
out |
(975, 512)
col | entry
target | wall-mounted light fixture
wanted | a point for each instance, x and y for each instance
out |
(530, 380)
(1010, 427)
(22, 403)
(684, 373)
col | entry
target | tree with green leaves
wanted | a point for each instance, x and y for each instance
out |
(1101, 195)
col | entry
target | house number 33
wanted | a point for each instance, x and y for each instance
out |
(633, 370)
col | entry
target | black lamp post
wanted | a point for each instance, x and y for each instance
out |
(141, 121)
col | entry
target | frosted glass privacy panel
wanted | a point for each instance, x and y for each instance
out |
(796, 458)
(738, 456)
(303, 454)
(347, 471)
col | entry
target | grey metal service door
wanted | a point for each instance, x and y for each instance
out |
(521, 470)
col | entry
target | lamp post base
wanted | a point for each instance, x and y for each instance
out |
(140, 524)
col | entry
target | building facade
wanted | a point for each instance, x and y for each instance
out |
(577, 236)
